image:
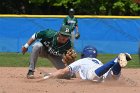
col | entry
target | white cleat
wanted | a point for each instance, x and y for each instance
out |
(122, 59)
(30, 77)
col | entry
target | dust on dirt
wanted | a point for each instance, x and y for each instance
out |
(13, 80)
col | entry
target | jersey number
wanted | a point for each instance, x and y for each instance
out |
(95, 61)
(67, 30)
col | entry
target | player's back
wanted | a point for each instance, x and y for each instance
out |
(91, 62)
(84, 65)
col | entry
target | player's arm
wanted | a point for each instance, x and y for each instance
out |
(58, 73)
(76, 26)
(77, 35)
(65, 21)
(29, 42)
(35, 36)
(77, 31)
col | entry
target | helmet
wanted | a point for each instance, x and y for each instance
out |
(71, 11)
(89, 51)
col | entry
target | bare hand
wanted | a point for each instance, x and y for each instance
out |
(24, 50)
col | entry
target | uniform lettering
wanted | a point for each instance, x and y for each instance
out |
(71, 21)
(47, 44)
(53, 52)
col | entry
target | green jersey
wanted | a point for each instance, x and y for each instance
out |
(72, 22)
(49, 40)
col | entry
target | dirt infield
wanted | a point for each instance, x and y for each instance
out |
(13, 80)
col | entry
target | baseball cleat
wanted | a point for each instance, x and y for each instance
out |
(128, 57)
(30, 74)
(122, 59)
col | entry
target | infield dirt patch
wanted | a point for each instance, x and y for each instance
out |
(13, 80)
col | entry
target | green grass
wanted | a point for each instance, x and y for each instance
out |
(19, 60)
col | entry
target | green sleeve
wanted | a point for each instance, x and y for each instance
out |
(76, 24)
(45, 34)
(40, 34)
(65, 21)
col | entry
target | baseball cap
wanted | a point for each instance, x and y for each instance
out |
(71, 10)
(65, 30)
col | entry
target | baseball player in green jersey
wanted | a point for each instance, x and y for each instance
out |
(73, 23)
(52, 46)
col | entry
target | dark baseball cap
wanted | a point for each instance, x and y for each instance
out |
(65, 30)
(71, 10)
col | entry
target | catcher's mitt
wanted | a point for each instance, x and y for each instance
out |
(77, 35)
(69, 57)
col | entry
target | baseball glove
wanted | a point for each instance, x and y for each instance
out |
(69, 57)
(77, 35)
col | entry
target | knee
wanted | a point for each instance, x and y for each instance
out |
(37, 46)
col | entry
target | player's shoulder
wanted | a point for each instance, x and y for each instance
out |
(67, 16)
(96, 60)
(91, 59)
(50, 32)
(75, 18)
(84, 59)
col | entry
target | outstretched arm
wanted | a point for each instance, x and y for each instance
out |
(56, 74)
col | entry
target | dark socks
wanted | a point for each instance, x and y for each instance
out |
(116, 69)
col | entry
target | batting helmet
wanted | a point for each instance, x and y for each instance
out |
(89, 51)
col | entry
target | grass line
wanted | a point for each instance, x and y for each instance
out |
(19, 60)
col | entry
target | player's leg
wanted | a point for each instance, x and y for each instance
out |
(56, 61)
(118, 63)
(72, 37)
(116, 69)
(103, 69)
(122, 62)
(37, 50)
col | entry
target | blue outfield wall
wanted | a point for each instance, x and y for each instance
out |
(108, 35)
